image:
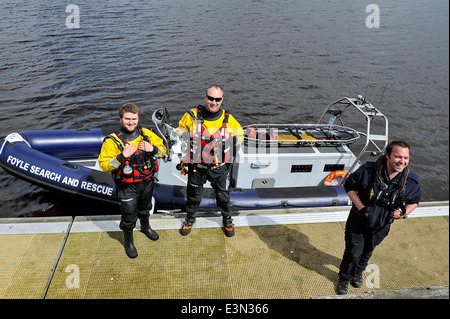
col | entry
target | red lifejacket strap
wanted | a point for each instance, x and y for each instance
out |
(143, 164)
(211, 144)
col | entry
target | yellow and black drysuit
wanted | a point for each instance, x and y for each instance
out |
(135, 190)
(215, 163)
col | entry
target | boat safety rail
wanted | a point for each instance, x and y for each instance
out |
(379, 141)
(299, 135)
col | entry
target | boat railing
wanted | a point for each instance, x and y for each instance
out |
(378, 141)
(299, 135)
(319, 134)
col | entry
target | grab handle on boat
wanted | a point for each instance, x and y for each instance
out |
(260, 164)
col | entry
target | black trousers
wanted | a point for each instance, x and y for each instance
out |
(360, 242)
(219, 180)
(135, 202)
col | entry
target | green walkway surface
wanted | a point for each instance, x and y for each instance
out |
(286, 261)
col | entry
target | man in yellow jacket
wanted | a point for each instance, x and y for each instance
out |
(130, 154)
(214, 137)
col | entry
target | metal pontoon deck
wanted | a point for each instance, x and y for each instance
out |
(289, 255)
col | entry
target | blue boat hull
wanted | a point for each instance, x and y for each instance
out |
(170, 196)
(42, 158)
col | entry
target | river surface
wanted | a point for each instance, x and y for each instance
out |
(277, 61)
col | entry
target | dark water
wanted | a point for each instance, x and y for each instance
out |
(278, 61)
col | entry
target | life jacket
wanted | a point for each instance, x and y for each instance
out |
(209, 149)
(384, 195)
(143, 164)
(388, 196)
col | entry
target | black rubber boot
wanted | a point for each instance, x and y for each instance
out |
(130, 250)
(147, 230)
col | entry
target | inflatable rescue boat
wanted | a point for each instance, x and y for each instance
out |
(278, 165)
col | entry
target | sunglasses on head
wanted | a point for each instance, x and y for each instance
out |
(217, 99)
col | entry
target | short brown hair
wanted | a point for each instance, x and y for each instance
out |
(128, 107)
(391, 145)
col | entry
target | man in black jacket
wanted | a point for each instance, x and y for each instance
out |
(381, 192)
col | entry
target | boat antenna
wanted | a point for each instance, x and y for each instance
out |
(367, 87)
(379, 103)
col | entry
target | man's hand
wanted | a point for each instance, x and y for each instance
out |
(398, 214)
(145, 146)
(129, 150)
